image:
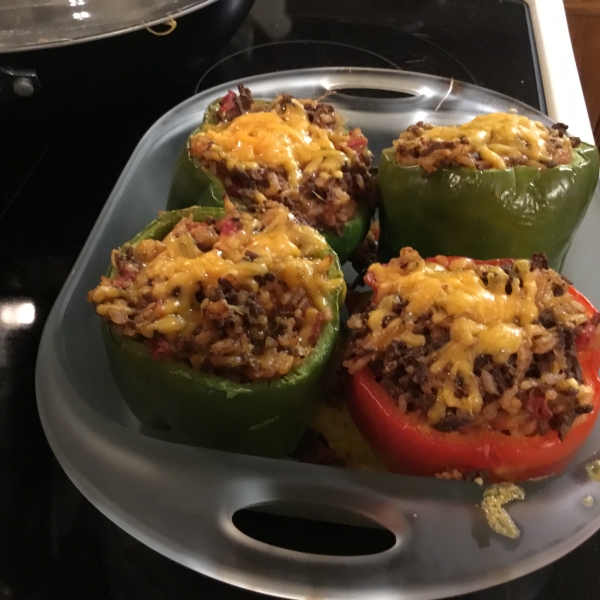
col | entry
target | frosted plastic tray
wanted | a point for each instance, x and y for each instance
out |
(179, 500)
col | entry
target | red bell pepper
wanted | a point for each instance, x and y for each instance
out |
(407, 444)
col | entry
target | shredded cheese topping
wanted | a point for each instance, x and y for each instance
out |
(495, 137)
(482, 319)
(296, 254)
(286, 140)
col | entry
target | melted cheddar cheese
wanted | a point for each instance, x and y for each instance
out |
(481, 319)
(495, 137)
(286, 140)
(277, 244)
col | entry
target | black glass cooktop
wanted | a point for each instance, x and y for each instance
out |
(488, 43)
(62, 151)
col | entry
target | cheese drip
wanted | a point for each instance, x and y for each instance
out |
(268, 139)
(481, 319)
(495, 137)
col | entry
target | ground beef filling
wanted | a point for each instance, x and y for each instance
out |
(243, 330)
(322, 198)
(416, 147)
(244, 335)
(534, 390)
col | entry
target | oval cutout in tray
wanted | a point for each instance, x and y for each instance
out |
(180, 500)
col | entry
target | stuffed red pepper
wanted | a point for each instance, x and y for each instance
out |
(475, 367)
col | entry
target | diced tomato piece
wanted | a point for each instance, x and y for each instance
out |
(316, 330)
(159, 349)
(228, 102)
(124, 278)
(357, 141)
(537, 405)
(584, 338)
(229, 226)
(371, 280)
(126, 274)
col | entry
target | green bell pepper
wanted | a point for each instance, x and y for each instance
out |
(264, 418)
(192, 186)
(485, 214)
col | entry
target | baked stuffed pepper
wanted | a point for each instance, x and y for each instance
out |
(477, 367)
(296, 152)
(500, 185)
(218, 325)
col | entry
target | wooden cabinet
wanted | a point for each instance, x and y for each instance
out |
(584, 25)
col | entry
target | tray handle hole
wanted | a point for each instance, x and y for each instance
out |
(373, 93)
(314, 529)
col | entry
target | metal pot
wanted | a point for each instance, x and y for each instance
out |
(111, 65)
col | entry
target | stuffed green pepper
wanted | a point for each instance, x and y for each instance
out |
(499, 185)
(296, 152)
(218, 325)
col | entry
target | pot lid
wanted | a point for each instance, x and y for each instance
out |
(34, 24)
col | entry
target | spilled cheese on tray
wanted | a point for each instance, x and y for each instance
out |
(494, 497)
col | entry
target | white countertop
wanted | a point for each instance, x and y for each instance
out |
(562, 88)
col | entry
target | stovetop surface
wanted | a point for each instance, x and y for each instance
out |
(486, 43)
(63, 150)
